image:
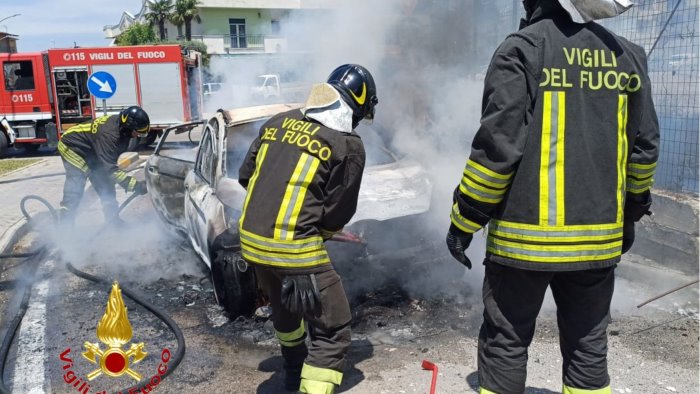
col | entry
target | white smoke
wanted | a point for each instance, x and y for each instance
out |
(429, 104)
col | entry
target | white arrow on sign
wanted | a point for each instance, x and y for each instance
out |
(104, 86)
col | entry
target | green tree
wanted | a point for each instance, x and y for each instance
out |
(159, 12)
(186, 11)
(136, 34)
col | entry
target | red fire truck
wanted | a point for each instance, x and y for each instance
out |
(44, 93)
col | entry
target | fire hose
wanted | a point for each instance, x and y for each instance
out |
(24, 304)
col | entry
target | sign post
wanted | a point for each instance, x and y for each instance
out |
(102, 85)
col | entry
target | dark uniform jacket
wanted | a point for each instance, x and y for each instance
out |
(97, 145)
(303, 181)
(568, 134)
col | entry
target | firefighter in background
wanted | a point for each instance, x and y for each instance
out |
(91, 150)
(560, 169)
(303, 176)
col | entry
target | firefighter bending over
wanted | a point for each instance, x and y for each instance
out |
(91, 150)
(303, 177)
(560, 169)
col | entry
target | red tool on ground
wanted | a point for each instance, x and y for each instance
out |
(431, 367)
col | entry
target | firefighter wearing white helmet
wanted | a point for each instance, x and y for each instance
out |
(560, 169)
(303, 176)
(90, 151)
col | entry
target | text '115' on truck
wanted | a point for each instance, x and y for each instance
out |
(44, 93)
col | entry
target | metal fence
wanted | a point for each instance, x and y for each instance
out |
(668, 31)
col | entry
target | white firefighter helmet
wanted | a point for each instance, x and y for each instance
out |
(583, 11)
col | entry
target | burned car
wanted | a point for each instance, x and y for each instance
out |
(192, 184)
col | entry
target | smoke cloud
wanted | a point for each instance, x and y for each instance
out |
(429, 107)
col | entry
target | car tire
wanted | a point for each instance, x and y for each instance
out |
(3, 144)
(234, 289)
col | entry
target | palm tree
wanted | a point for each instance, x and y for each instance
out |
(186, 11)
(160, 11)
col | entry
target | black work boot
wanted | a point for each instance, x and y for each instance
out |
(292, 378)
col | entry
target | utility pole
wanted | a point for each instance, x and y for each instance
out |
(516, 14)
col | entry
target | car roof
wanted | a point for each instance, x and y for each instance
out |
(247, 114)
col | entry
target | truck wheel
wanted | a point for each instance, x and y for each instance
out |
(3, 144)
(234, 289)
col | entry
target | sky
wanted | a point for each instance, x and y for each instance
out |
(43, 24)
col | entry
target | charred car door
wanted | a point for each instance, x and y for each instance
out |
(167, 168)
(203, 210)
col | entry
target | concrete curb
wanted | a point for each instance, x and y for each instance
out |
(13, 234)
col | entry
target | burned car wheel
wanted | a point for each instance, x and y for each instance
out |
(234, 283)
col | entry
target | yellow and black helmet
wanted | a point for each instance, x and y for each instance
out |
(356, 85)
(135, 119)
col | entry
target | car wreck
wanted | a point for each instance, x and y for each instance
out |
(192, 182)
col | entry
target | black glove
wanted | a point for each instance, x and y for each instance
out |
(627, 235)
(300, 295)
(140, 188)
(457, 242)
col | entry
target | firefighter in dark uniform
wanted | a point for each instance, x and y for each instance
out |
(303, 176)
(560, 169)
(91, 150)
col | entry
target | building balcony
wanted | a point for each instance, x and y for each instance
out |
(242, 44)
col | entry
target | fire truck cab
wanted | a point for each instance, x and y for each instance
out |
(44, 93)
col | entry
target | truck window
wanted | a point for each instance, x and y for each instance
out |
(18, 75)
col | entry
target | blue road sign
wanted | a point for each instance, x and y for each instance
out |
(102, 85)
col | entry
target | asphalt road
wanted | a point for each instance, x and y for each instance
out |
(652, 350)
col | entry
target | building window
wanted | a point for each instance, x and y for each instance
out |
(237, 29)
(275, 27)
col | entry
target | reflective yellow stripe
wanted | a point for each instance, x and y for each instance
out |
(81, 128)
(294, 196)
(119, 176)
(71, 157)
(281, 259)
(570, 390)
(314, 387)
(544, 158)
(640, 171)
(636, 183)
(302, 193)
(485, 391)
(560, 144)
(555, 244)
(643, 167)
(483, 184)
(557, 248)
(621, 153)
(479, 197)
(463, 223)
(568, 227)
(469, 183)
(294, 338)
(555, 234)
(552, 259)
(309, 372)
(251, 184)
(552, 159)
(638, 189)
(479, 168)
(132, 185)
(282, 246)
